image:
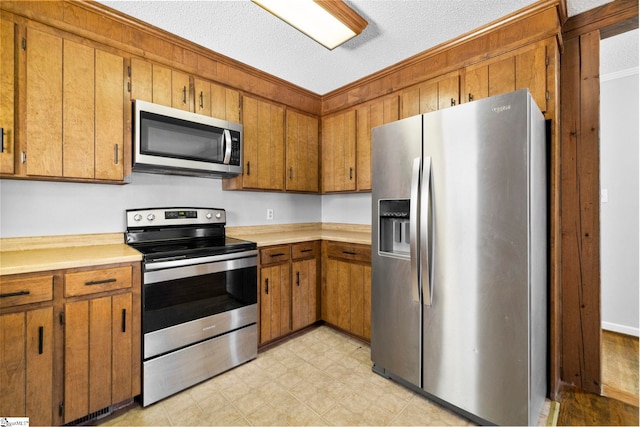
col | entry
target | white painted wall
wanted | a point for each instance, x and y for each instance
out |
(347, 208)
(619, 180)
(39, 208)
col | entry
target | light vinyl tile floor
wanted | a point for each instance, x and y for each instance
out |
(321, 377)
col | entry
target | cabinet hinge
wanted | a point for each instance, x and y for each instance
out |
(546, 95)
(62, 317)
(24, 44)
(546, 61)
(61, 409)
(128, 70)
(128, 86)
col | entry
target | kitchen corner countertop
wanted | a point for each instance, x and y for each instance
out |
(294, 233)
(36, 254)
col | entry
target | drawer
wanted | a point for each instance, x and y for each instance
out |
(94, 281)
(349, 252)
(304, 250)
(25, 290)
(274, 255)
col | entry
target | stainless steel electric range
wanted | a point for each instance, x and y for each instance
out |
(199, 297)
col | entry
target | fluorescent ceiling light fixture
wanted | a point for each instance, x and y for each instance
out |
(329, 22)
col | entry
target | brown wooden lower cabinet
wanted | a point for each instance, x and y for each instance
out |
(346, 287)
(288, 288)
(69, 342)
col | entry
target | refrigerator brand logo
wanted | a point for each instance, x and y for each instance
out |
(501, 109)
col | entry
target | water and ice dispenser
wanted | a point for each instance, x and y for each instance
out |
(394, 227)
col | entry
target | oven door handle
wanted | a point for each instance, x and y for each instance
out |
(181, 261)
(247, 259)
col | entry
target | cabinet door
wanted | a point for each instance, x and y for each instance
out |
(524, 68)
(366, 301)
(448, 88)
(98, 345)
(436, 94)
(161, 85)
(263, 145)
(76, 360)
(180, 91)
(301, 152)
(225, 103)
(78, 101)
(141, 80)
(7, 96)
(275, 302)
(43, 104)
(531, 73)
(26, 365)
(202, 91)
(109, 116)
(122, 345)
(338, 294)
(304, 293)
(339, 152)
(369, 116)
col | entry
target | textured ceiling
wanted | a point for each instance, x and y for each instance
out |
(397, 29)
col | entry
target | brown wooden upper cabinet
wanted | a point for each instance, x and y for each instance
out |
(264, 157)
(160, 85)
(217, 101)
(173, 88)
(302, 152)
(372, 114)
(435, 94)
(75, 111)
(7, 96)
(523, 68)
(339, 152)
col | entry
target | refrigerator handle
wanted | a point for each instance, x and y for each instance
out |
(425, 221)
(413, 228)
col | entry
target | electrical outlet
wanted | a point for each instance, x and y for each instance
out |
(269, 213)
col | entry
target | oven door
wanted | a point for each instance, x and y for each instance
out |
(185, 305)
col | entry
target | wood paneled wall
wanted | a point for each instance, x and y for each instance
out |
(104, 25)
(528, 25)
(580, 206)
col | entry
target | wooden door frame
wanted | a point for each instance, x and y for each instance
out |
(580, 323)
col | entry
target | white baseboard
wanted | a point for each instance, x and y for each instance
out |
(622, 329)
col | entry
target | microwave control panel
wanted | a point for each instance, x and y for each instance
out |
(235, 148)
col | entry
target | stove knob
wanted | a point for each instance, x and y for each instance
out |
(208, 215)
(137, 217)
(151, 217)
(218, 215)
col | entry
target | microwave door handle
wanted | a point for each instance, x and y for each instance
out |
(226, 144)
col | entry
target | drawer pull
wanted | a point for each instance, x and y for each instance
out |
(306, 250)
(124, 320)
(277, 255)
(100, 282)
(41, 340)
(349, 253)
(14, 294)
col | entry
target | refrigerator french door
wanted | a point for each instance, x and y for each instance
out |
(459, 257)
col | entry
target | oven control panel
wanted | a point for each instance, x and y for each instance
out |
(162, 217)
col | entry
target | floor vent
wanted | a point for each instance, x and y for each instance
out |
(94, 416)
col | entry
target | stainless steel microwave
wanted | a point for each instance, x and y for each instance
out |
(172, 141)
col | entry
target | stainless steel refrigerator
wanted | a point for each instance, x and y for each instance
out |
(459, 257)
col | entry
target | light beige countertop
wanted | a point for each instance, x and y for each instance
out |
(34, 254)
(293, 233)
